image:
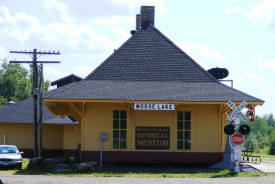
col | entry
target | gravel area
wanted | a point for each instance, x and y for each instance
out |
(34, 179)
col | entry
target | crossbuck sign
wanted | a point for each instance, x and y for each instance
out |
(236, 113)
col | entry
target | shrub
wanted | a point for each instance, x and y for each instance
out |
(272, 147)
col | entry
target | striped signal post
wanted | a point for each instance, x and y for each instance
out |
(237, 139)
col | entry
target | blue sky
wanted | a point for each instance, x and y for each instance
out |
(236, 34)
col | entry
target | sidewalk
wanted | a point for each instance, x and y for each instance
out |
(267, 166)
(264, 167)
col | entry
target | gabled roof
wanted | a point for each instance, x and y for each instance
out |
(66, 80)
(149, 67)
(150, 56)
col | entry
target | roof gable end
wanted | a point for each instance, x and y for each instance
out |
(150, 56)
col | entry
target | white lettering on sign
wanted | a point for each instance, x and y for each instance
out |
(156, 107)
(236, 111)
(237, 139)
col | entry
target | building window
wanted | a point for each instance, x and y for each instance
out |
(119, 129)
(184, 130)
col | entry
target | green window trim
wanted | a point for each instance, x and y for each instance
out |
(183, 130)
(119, 129)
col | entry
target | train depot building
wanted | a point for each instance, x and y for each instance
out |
(151, 100)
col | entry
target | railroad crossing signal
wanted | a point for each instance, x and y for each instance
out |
(237, 111)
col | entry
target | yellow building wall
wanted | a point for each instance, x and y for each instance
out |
(70, 137)
(21, 135)
(206, 128)
(97, 118)
(52, 136)
(17, 134)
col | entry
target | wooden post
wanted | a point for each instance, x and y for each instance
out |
(40, 119)
(35, 95)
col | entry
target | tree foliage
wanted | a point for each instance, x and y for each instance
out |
(262, 135)
(15, 83)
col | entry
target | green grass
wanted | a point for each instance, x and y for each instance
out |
(140, 171)
(265, 155)
(14, 171)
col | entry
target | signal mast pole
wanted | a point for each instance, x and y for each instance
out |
(35, 92)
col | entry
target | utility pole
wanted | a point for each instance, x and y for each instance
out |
(35, 94)
(40, 110)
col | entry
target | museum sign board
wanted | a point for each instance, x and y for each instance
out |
(152, 138)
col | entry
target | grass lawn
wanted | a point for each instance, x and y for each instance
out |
(9, 171)
(265, 155)
(148, 171)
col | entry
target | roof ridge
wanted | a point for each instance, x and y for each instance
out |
(180, 50)
(112, 55)
(67, 76)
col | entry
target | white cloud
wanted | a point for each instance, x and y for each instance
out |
(20, 17)
(53, 73)
(232, 10)
(84, 70)
(20, 26)
(59, 7)
(268, 65)
(121, 33)
(234, 0)
(113, 20)
(133, 4)
(263, 9)
(76, 36)
(236, 54)
(248, 81)
(2, 51)
(263, 64)
(257, 59)
(197, 48)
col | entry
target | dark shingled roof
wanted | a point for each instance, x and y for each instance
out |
(148, 66)
(152, 91)
(150, 56)
(22, 112)
(66, 80)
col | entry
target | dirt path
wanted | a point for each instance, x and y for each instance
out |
(31, 179)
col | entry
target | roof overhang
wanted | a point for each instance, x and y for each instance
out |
(142, 101)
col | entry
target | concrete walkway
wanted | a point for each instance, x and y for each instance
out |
(267, 165)
(264, 167)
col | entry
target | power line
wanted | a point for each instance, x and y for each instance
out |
(35, 92)
(36, 61)
(37, 52)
